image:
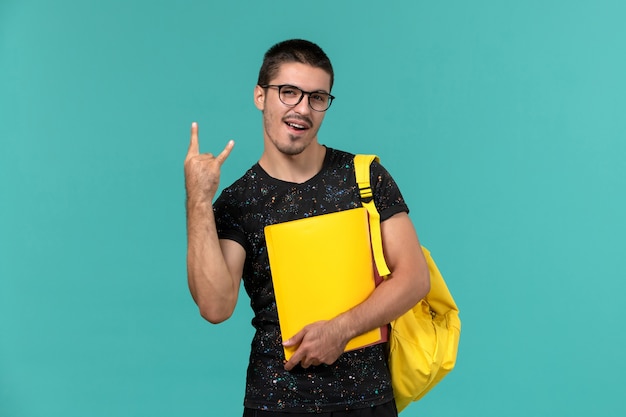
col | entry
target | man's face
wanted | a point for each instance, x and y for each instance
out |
(291, 129)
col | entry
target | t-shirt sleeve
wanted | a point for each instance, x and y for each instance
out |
(227, 218)
(387, 196)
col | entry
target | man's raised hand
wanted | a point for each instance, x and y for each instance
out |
(202, 171)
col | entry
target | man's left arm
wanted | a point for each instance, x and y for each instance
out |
(409, 282)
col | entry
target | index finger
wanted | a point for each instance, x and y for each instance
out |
(194, 146)
(294, 342)
(295, 359)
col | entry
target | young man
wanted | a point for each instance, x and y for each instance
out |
(297, 177)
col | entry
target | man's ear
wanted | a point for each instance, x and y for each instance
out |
(259, 97)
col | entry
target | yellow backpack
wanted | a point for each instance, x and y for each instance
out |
(424, 341)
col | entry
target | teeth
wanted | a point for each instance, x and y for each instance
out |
(296, 125)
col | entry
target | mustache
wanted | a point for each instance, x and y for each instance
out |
(296, 116)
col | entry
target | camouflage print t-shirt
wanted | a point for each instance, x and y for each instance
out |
(358, 378)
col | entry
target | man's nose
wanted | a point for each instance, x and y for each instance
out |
(303, 107)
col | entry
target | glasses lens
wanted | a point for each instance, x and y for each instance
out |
(319, 101)
(290, 95)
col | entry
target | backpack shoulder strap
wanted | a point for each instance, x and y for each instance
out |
(362, 171)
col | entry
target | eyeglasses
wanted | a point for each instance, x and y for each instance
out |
(291, 96)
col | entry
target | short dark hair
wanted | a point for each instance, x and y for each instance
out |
(294, 50)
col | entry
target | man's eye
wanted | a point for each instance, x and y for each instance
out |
(319, 97)
(290, 91)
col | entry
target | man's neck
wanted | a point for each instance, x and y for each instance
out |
(293, 168)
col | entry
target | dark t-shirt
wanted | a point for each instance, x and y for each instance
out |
(359, 378)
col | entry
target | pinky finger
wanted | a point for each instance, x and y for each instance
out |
(224, 154)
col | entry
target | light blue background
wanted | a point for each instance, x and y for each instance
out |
(503, 122)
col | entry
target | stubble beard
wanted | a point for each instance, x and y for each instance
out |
(294, 148)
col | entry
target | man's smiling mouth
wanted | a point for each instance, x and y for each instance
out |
(296, 126)
(298, 122)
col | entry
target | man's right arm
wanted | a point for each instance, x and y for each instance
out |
(214, 267)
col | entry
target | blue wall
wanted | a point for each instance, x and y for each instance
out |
(502, 121)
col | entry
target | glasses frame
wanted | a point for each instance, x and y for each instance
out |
(308, 93)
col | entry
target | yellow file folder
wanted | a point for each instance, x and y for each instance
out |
(321, 267)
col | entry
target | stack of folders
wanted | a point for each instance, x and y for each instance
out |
(321, 267)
